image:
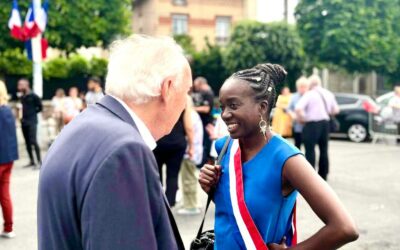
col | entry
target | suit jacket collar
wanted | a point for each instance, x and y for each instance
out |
(117, 109)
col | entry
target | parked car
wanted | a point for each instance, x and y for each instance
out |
(354, 115)
(383, 100)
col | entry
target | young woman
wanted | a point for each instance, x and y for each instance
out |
(8, 154)
(261, 174)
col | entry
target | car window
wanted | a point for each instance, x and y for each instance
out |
(342, 100)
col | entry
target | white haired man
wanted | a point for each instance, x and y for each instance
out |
(99, 186)
(302, 86)
(315, 108)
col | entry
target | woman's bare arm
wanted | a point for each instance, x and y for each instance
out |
(339, 227)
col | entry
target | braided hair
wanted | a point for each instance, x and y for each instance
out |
(263, 79)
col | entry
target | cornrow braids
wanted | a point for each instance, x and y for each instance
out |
(263, 79)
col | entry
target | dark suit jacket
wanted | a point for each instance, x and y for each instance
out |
(99, 187)
(8, 136)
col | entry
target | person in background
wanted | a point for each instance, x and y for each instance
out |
(203, 99)
(73, 105)
(170, 151)
(281, 121)
(314, 109)
(99, 186)
(95, 91)
(58, 108)
(216, 132)
(302, 86)
(8, 154)
(188, 168)
(31, 106)
(82, 96)
(394, 103)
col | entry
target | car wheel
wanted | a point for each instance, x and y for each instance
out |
(357, 132)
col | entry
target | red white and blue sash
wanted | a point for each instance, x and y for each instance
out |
(248, 230)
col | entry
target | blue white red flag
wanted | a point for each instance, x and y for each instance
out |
(35, 24)
(35, 21)
(14, 23)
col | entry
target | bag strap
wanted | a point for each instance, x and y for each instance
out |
(212, 191)
(175, 229)
(325, 104)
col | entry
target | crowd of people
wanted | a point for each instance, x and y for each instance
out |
(65, 108)
(151, 135)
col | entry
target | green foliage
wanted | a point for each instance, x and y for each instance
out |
(208, 63)
(78, 66)
(252, 43)
(358, 35)
(56, 68)
(74, 67)
(186, 42)
(73, 24)
(14, 62)
(98, 67)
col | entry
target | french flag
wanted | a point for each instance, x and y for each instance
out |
(14, 23)
(35, 24)
(35, 21)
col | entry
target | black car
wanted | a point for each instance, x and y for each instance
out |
(353, 115)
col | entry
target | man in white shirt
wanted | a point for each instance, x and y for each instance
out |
(394, 103)
(99, 186)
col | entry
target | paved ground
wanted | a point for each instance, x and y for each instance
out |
(366, 178)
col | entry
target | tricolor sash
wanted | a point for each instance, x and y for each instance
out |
(248, 230)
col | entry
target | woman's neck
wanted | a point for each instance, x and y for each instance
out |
(250, 146)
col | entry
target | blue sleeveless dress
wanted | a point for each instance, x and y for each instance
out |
(262, 177)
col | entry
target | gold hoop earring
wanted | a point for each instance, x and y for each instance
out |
(263, 127)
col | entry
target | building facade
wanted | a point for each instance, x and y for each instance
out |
(200, 19)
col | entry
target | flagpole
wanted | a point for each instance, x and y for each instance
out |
(37, 55)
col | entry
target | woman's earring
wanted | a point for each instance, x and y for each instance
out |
(263, 127)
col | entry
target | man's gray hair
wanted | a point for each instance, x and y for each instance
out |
(138, 65)
(302, 81)
(314, 80)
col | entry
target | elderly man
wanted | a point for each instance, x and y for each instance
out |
(302, 86)
(99, 186)
(315, 108)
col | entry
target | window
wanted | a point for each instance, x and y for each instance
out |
(222, 28)
(179, 24)
(179, 2)
(342, 100)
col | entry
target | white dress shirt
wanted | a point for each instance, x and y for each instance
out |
(143, 130)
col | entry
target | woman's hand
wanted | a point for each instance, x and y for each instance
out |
(339, 227)
(209, 176)
(274, 246)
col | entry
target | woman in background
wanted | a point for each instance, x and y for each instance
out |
(8, 154)
(73, 105)
(281, 121)
(58, 108)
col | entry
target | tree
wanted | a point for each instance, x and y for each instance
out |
(253, 43)
(73, 24)
(359, 35)
(208, 63)
(14, 62)
(186, 42)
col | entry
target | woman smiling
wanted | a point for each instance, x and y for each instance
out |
(260, 176)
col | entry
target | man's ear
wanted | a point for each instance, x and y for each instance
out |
(166, 87)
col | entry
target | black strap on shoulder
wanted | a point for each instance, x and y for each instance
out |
(325, 104)
(211, 193)
(177, 235)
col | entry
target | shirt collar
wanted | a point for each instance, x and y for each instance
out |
(143, 130)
